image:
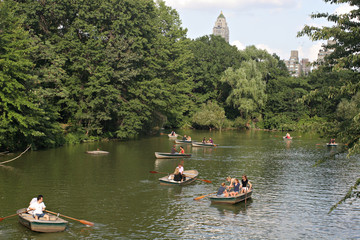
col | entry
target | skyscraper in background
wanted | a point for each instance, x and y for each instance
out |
(221, 28)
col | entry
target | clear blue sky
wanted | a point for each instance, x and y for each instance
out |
(267, 24)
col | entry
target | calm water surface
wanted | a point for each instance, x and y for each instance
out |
(291, 198)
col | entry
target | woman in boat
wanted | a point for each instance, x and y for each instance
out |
(182, 151)
(332, 141)
(222, 191)
(188, 138)
(172, 133)
(287, 135)
(177, 175)
(211, 141)
(244, 184)
(232, 182)
(184, 138)
(204, 140)
(236, 189)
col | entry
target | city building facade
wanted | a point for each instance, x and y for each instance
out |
(221, 28)
(296, 67)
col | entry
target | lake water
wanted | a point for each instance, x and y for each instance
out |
(291, 197)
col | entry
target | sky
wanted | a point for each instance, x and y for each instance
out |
(268, 24)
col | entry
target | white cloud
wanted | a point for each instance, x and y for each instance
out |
(345, 8)
(230, 4)
(238, 44)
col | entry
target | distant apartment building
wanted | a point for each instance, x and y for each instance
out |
(297, 68)
(221, 28)
(324, 51)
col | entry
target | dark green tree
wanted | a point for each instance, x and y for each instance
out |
(345, 57)
(23, 120)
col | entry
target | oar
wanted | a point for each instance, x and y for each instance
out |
(204, 180)
(201, 197)
(13, 215)
(82, 221)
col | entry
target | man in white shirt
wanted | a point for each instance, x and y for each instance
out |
(38, 207)
(31, 202)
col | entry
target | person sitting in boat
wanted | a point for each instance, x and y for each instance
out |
(287, 135)
(177, 175)
(332, 141)
(38, 207)
(172, 133)
(182, 151)
(188, 138)
(184, 138)
(180, 168)
(204, 140)
(232, 182)
(244, 184)
(174, 150)
(236, 189)
(222, 191)
(211, 141)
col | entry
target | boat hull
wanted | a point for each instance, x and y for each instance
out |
(55, 224)
(231, 200)
(331, 144)
(169, 155)
(200, 144)
(183, 141)
(190, 177)
(97, 152)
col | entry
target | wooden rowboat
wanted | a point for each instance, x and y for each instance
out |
(97, 152)
(183, 141)
(231, 200)
(55, 224)
(201, 144)
(331, 144)
(173, 136)
(170, 155)
(190, 177)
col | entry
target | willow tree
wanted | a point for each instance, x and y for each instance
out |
(247, 92)
(345, 57)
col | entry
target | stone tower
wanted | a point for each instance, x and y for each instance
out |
(221, 28)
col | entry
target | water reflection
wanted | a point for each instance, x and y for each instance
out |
(226, 209)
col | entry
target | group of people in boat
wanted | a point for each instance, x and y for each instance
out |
(186, 138)
(332, 141)
(175, 151)
(37, 208)
(287, 136)
(208, 141)
(235, 187)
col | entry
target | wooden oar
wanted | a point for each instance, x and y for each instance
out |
(13, 215)
(82, 221)
(201, 197)
(204, 180)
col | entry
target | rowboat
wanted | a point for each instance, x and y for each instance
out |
(173, 136)
(170, 155)
(331, 144)
(190, 177)
(55, 224)
(201, 144)
(231, 200)
(183, 141)
(97, 152)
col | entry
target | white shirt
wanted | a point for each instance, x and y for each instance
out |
(181, 169)
(34, 200)
(38, 207)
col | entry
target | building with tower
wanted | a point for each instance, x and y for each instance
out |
(221, 28)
